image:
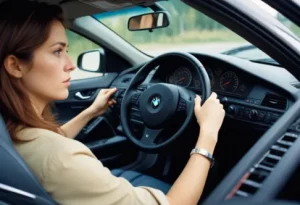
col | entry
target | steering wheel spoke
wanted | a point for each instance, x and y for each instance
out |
(150, 135)
(182, 105)
(132, 98)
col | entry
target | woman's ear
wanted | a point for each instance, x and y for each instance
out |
(13, 66)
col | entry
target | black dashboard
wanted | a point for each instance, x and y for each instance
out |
(253, 93)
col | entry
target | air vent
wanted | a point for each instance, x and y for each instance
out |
(274, 101)
(254, 179)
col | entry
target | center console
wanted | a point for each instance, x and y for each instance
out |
(263, 112)
(271, 168)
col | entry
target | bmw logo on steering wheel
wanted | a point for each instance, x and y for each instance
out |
(155, 102)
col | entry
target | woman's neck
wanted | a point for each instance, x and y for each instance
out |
(39, 106)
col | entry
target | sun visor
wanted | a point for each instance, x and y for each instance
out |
(108, 5)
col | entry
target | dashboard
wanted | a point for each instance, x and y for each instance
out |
(251, 93)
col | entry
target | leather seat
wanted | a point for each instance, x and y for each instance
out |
(15, 174)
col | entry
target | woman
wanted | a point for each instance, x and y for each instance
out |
(142, 22)
(35, 70)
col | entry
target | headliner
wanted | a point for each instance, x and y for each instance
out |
(77, 8)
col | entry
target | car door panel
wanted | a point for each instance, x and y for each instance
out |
(88, 89)
(99, 134)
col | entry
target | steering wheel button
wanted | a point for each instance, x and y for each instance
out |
(134, 98)
(181, 105)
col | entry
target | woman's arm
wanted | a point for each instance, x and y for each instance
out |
(74, 126)
(189, 185)
(99, 106)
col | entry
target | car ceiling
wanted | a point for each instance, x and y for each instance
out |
(78, 8)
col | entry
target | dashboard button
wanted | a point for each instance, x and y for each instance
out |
(231, 110)
(261, 115)
(268, 117)
(253, 114)
(224, 100)
(246, 113)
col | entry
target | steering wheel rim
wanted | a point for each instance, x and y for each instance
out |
(185, 100)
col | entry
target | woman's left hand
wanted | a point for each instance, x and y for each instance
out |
(102, 102)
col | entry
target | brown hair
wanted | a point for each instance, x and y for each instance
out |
(24, 27)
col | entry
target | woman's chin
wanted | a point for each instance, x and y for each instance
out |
(62, 96)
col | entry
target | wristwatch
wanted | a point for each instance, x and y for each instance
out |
(205, 154)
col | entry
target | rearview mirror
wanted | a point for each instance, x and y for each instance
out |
(92, 61)
(148, 21)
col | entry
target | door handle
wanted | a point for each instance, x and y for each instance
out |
(79, 96)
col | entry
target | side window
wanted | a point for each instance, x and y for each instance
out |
(77, 45)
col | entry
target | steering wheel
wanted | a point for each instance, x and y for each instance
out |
(159, 103)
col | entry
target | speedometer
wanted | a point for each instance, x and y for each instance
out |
(181, 76)
(229, 81)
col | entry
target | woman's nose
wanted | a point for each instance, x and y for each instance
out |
(70, 66)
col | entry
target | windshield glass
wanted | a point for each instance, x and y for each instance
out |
(189, 31)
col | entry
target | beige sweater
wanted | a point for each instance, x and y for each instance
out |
(72, 175)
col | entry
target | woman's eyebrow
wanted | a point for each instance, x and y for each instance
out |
(60, 43)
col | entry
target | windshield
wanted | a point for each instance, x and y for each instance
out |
(189, 31)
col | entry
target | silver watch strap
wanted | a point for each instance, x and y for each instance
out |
(204, 153)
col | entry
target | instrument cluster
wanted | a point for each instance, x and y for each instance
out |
(222, 80)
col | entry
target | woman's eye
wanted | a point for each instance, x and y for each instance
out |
(57, 52)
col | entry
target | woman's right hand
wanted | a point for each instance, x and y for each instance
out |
(210, 115)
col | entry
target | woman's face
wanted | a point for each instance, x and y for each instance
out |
(47, 78)
(146, 21)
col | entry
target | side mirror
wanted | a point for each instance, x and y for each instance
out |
(92, 61)
(149, 21)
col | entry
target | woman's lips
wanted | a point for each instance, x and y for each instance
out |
(67, 81)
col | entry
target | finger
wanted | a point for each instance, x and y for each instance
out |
(197, 103)
(198, 100)
(112, 102)
(103, 91)
(213, 95)
(110, 92)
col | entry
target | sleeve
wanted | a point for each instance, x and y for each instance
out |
(76, 177)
